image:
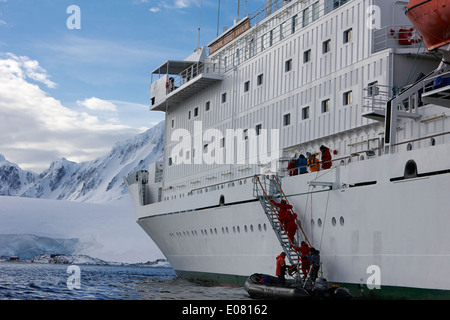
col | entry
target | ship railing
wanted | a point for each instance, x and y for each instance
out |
(398, 36)
(431, 83)
(206, 67)
(376, 96)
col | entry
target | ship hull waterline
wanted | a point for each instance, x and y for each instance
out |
(385, 236)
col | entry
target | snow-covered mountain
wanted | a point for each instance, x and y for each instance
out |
(97, 181)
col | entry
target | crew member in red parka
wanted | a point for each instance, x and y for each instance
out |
(326, 157)
(291, 226)
(304, 250)
(283, 213)
(281, 268)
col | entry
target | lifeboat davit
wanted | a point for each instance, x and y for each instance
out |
(432, 19)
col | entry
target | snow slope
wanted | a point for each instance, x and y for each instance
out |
(78, 208)
(104, 231)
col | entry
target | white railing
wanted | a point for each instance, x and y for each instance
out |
(400, 36)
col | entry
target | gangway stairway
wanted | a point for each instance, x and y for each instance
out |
(266, 188)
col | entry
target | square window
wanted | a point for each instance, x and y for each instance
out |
(207, 105)
(305, 113)
(288, 65)
(325, 105)
(326, 46)
(246, 86)
(347, 98)
(347, 35)
(258, 129)
(287, 119)
(259, 80)
(373, 89)
(224, 97)
(195, 111)
(307, 56)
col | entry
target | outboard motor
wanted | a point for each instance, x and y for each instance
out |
(320, 288)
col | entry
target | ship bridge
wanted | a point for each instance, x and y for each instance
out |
(178, 80)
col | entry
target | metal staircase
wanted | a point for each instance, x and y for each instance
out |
(266, 188)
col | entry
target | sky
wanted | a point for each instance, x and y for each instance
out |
(74, 81)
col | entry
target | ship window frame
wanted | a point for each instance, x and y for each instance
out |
(326, 46)
(288, 65)
(305, 17)
(325, 105)
(305, 113)
(207, 105)
(307, 56)
(260, 79)
(223, 98)
(347, 98)
(347, 35)
(258, 128)
(286, 119)
(195, 112)
(294, 22)
(247, 86)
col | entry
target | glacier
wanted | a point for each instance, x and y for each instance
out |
(79, 208)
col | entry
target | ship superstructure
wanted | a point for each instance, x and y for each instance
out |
(354, 76)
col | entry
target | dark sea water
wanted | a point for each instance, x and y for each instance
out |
(36, 281)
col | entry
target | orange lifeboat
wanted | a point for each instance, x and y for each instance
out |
(432, 19)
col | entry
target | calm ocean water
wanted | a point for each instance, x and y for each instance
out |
(34, 281)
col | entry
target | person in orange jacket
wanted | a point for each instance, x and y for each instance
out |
(283, 213)
(281, 268)
(291, 226)
(304, 251)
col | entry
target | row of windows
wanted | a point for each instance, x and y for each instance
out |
(225, 230)
(324, 107)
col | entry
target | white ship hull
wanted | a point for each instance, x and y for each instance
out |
(343, 74)
(400, 226)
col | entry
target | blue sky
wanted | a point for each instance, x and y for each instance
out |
(73, 93)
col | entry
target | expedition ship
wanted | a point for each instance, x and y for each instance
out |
(359, 77)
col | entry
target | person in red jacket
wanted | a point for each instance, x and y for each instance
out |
(326, 157)
(292, 167)
(291, 226)
(281, 268)
(304, 251)
(283, 213)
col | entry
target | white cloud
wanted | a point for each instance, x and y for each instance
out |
(98, 104)
(37, 129)
(154, 9)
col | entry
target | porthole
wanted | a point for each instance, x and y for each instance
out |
(265, 227)
(333, 221)
(259, 227)
(245, 228)
(410, 169)
(251, 228)
(432, 142)
(409, 147)
(319, 222)
(341, 221)
(312, 223)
